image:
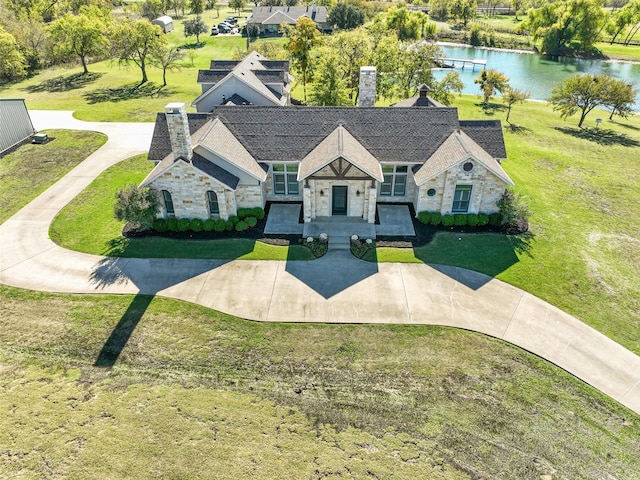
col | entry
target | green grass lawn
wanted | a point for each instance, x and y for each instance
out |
(87, 225)
(31, 169)
(198, 394)
(581, 185)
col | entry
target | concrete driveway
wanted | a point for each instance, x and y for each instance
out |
(335, 289)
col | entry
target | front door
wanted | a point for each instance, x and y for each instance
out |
(339, 200)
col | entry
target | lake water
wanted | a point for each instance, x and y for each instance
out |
(535, 73)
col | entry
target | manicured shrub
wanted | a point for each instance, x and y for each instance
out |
(208, 225)
(495, 219)
(447, 220)
(460, 219)
(234, 219)
(184, 224)
(243, 213)
(483, 219)
(472, 219)
(424, 217)
(172, 224)
(160, 225)
(241, 226)
(197, 225)
(229, 226)
(219, 225)
(251, 221)
(257, 212)
(436, 218)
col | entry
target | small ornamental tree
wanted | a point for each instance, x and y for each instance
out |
(514, 212)
(137, 206)
(195, 27)
(491, 81)
(512, 96)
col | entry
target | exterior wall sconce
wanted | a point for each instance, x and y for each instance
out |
(357, 193)
(321, 192)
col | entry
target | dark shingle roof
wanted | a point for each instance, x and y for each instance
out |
(236, 99)
(223, 64)
(271, 76)
(390, 134)
(276, 64)
(211, 76)
(160, 143)
(215, 171)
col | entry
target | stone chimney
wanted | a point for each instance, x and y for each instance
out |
(367, 93)
(178, 124)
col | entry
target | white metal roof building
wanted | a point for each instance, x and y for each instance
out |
(15, 123)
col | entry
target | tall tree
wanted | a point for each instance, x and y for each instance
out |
(511, 96)
(81, 35)
(463, 10)
(408, 25)
(443, 90)
(622, 18)
(167, 58)
(329, 87)
(414, 67)
(346, 16)
(196, 6)
(620, 98)
(237, 5)
(583, 93)
(302, 39)
(491, 81)
(353, 49)
(13, 65)
(195, 26)
(565, 26)
(134, 41)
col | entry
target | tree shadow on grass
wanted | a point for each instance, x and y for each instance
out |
(192, 46)
(491, 109)
(600, 136)
(64, 83)
(626, 125)
(123, 330)
(130, 91)
(517, 129)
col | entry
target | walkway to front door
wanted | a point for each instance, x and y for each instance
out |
(395, 220)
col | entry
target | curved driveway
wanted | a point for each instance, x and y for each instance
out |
(335, 289)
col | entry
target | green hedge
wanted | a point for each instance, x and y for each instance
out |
(472, 219)
(184, 224)
(424, 217)
(251, 221)
(460, 219)
(447, 220)
(241, 226)
(160, 225)
(483, 219)
(209, 225)
(197, 225)
(172, 224)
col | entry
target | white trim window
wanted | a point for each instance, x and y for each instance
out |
(285, 179)
(461, 199)
(395, 181)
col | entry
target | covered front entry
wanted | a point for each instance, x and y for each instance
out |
(339, 200)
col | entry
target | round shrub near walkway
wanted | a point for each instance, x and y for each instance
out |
(460, 219)
(251, 221)
(197, 225)
(472, 219)
(172, 224)
(447, 220)
(209, 225)
(160, 225)
(435, 218)
(424, 217)
(241, 226)
(184, 224)
(483, 219)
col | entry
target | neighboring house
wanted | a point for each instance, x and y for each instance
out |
(251, 81)
(165, 23)
(267, 20)
(15, 124)
(334, 160)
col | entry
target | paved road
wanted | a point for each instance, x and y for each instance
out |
(335, 289)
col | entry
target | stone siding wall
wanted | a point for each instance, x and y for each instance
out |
(188, 188)
(411, 192)
(486, 190)
(321, 203)
(249, 196)
(273, 197)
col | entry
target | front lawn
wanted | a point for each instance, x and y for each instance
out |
(31, 169)
(87, 225)
(195, 393)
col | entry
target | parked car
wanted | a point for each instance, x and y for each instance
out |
(225, 27)
(231, 20)
(215, 30)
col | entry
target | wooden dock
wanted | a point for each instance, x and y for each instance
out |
(462, 62)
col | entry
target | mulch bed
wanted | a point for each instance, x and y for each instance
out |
(424, 234)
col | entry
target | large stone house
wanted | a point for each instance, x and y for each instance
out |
(336, 161)
(267, 20)
(253, 80)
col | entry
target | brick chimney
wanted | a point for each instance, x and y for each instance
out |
(178, 124)
(367, 87)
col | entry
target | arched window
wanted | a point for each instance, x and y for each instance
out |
(212, 198)
(168, 202)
